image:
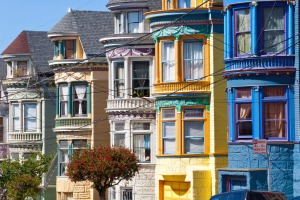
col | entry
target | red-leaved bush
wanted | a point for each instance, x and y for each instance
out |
(104, 166)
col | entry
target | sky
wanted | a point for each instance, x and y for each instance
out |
(37, 15)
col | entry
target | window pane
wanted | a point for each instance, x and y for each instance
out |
(79, 143)
(193, 145)
(193, 113)
(169, 146)
(141, 147)
(243, 31)
(193, 129)
(244, 120)
(168, 114)
(63, 98)
(70, 49)
(80, 102)
(21, 69)
(126, 194)
(193, 60)
(243, 93)
(30, 117)
(133, 22)
(183, 3)
(169, 129)
(243, 20)
(193, 133)
(274, 91)
(274, 29)
(63, 144)
(119, 140)
(275, 123)
(141, 126)
(243, 43)
(119, 87)
(140, 82)
(169, 137)
(244, 111)
(16, 117)
(14, 156)
(168, 61)
(119, 126)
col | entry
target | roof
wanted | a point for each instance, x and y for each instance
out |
(152, 4)
(35, 43)
(90, 26)
(2, 69)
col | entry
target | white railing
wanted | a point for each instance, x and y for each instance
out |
(25, 136)
(130, 104)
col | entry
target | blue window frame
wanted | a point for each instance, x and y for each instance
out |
(242, 32)
(236, 183)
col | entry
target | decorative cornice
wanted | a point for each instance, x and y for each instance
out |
(117, 53)
(131, 116)
(179, 103)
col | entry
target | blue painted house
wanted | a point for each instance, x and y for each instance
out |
(259, 57)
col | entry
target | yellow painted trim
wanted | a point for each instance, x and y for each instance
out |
(157, 69)
(178, 134)
(159, 136)
(177, 60)
(161, 41)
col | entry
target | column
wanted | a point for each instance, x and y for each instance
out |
(291, 37)
(70, 97)
(177, 59)
(126, 78)
(157, 62)
(225, 38)
(231, 120)
(57, 101)
(253, 28)
(229, 35)
(256, 113)
(89, 102)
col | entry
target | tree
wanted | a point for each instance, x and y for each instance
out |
(22, 178)
(104, 166)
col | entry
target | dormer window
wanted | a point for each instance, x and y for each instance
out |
(129, 22)
(65, 49)
(21, 69)
(17, 69)
(133, 22)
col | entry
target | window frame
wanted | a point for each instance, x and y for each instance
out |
(187, 3)
(74, 101)
(142, 132)
(137, 22)
(163, 123)
(185, 59)
(21, 70)
(164, 61)
(237, 33)
(29, 117)
(67, 49)
(144, 91)
(117, 91)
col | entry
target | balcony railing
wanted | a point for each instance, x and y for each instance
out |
(182, 87)
(260, 63)
(73, 122)
(130, 104)
(25, 136)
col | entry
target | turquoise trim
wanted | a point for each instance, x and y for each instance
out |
(254, 27)
(291, 37)
(89, 102)
(179, 103)
(291, 114)
(256, 113)
(229, 33)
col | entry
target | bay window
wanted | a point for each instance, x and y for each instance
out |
(24, 117)
(119, 80)
(141, 141)
(140, 79)
(169, 131)
(193, 119)
(168, 61)
(274, 30)
(193, 59)
(260, 113)
(242, 31)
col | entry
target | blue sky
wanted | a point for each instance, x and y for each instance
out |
(37, 15)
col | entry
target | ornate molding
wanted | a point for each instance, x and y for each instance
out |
(179, 103)
(73, 122)
(117, 53)
(122, 117)
(180, 30)
(24, 96)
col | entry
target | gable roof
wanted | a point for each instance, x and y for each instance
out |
(2, 69)
(37, 45)
(90, 26)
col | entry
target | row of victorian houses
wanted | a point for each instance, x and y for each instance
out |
(187, 85)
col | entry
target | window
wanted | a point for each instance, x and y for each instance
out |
(193, 130)
(184, 4)
(168, 61)
(236, 183)
(112, 193)
(169, 4)
(63, 100)
(141, 141)
(244, 113)
(193, 59)
(273, 29)
(133, 22)
(66, 151)
(119, 134)
(80, 100)
(242, 31)
(14, 156)
(119, 76)
(119, 23)
(274, 106)
(21, 69)
(140, 79)
(16, 117)
(69, 49)
(168, 131)
(27, 155)
(126, 194)
(56, 48)
(30, 117)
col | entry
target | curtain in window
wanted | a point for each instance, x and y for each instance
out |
(183, 3)
(243, 31)
(63, 96)
(169, 137)
(193, 60)
(119, 140)
(275, 119)
(244, 120)
(274, 92)
(16, 117)
(274, 29)
(193, 133)
(168, 58)
(243, 93)
(141, 147)
(81, 93)
(30, 117)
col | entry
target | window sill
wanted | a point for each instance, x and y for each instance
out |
(183, 155)
(268, 142)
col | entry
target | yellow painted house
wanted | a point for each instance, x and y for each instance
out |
(190, 98)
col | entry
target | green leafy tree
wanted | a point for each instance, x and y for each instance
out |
(104, 166)
(22, 178)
